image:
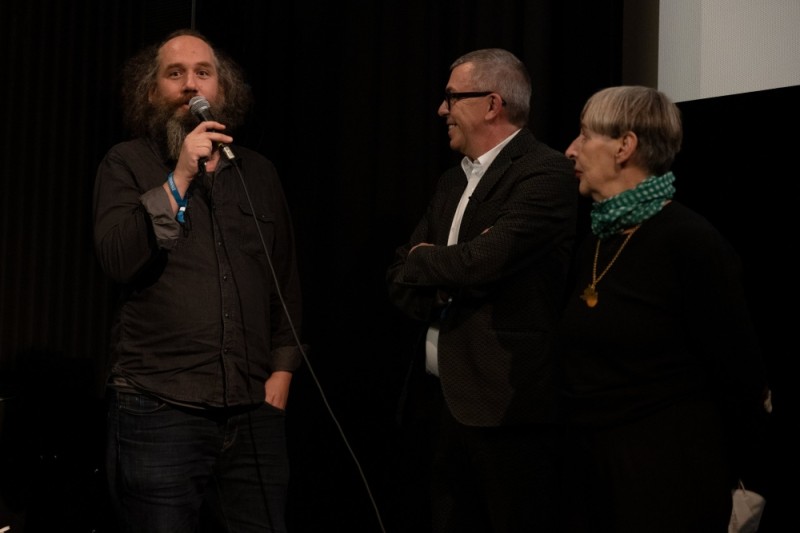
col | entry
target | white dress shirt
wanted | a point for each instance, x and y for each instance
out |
(474, 171)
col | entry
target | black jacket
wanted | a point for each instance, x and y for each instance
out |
(496, 361)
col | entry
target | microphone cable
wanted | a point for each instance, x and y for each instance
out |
(303, 352)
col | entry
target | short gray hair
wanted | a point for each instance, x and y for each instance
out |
(500, 71)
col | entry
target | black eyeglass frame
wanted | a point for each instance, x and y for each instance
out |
(452, 98)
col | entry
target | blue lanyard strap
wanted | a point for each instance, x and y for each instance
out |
(180, 201)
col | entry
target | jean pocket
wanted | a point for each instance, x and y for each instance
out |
(271, 407)
(139, 404)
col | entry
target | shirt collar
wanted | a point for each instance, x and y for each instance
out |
(478, 167)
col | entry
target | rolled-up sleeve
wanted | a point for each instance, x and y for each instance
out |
(165, 225)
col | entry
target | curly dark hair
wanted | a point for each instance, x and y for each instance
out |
(140, 74)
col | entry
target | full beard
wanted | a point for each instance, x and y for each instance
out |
(168, 127)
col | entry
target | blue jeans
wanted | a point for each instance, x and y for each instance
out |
(165, 463)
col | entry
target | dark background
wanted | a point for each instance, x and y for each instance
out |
(346, 99)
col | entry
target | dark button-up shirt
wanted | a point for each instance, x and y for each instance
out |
(199, 319)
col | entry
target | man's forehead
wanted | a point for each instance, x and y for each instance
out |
(186, 49)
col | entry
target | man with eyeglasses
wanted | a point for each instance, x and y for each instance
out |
(484, 272)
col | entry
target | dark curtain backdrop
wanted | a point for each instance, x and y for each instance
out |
(346, 99)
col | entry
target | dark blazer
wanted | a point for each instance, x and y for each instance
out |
(496, 361)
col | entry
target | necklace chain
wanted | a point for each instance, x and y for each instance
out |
(590, 292)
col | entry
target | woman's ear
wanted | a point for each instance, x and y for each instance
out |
(627, 146)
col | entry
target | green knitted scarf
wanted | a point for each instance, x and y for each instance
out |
(632, 207)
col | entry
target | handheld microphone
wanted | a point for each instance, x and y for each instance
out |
(201, 109)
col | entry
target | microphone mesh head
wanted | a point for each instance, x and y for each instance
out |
(199, 107)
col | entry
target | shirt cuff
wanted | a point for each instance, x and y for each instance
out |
(165, 226)
(288, 358)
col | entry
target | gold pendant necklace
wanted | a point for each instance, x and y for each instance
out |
(590, 292)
